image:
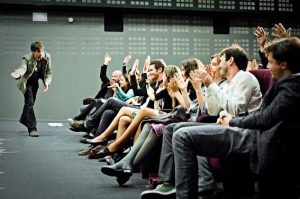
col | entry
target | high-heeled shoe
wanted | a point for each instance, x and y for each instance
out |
(117, 169)
(122, 179)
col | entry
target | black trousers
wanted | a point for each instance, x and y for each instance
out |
(28, 117)
(92, 107)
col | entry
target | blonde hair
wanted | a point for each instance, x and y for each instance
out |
(218, 58)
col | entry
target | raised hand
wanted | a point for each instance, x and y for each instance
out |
(107, 58)
(146, 64)
(134, 67)
(261, 36)
(279, 31)
(126, 60)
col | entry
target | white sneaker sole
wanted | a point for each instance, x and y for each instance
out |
(151, 194)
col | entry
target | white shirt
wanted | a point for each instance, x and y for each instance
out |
(242, 94)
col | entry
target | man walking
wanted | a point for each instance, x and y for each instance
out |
(35, 65)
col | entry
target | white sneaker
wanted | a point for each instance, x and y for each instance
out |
(71, 121)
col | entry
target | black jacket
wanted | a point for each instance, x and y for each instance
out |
(104, 91)
(276, 143)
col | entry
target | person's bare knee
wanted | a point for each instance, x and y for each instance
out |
(125, 120)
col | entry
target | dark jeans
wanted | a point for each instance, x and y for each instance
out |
(28, 117)
(91, 108)
(166, 168)
(93, 120)
(206, 140)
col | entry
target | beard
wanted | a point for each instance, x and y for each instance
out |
(223, 72)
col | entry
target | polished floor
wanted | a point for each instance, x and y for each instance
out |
(48, 167)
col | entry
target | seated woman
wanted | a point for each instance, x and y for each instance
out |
(136, 115)
(105, 91)
(148, 140)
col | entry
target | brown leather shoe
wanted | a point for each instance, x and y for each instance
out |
(86, 151)
(94, 152)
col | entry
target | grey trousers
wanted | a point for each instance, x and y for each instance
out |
(166, 166)
(207, 140)
(105, 121)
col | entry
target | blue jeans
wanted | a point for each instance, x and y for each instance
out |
(205, 140)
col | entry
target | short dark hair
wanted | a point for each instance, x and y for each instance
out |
(286, 50)
(239, 55)
(158, 63)
(36, 46)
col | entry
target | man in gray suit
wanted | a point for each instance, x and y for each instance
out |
(35, 65)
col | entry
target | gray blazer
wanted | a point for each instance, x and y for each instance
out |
(28, 66)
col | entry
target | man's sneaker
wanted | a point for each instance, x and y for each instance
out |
(71, 121)
(34, 133)
(77, 124)
(167, 191)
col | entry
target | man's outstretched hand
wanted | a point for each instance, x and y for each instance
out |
(15, 74)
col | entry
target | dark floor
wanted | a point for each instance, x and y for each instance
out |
(49, 167)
